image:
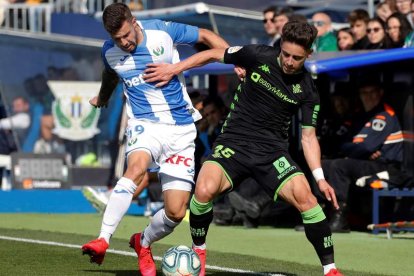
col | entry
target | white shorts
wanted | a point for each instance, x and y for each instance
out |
(171, 148)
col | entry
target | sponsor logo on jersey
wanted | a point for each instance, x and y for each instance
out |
(256, 77)
(135, 81)
(378, 124)
(264, 68)
(124, 58)
(179, 159)
(315, 114)
(234, 49)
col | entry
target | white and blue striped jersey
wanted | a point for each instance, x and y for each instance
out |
(169, 104)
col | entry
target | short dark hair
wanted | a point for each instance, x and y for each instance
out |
(287, 11)
(270, 9)
(114, 16)
(358, 14)
(301, 33)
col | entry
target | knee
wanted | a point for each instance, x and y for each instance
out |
(135, 172)
(205, 191)
(176, 215)
(307, 202)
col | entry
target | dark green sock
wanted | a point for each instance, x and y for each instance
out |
(201, 215)
(319, 234)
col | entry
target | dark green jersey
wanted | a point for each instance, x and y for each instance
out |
(265, 102)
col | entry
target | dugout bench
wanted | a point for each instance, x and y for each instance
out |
(376, 196)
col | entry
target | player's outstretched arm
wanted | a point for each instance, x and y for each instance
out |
(211, 39)
(162, 73)
(109, 82)
(312, 152)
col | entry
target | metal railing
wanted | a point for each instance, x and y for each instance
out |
(26, 17)
(37, 17)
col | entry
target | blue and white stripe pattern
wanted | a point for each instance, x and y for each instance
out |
(169, 104)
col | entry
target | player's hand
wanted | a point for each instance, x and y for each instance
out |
(161, 73)
(375, 155)
(241, 72)
(96, 102)
(328, 192)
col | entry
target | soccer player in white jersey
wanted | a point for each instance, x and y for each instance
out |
(161, 128)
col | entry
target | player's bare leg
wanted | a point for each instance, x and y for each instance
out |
(297, 192)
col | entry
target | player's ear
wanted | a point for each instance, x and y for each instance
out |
(309, 53)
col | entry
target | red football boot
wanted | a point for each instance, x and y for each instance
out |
(96, 250)
(145, 261)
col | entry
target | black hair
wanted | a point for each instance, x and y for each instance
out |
(301, 33)
(114, 16)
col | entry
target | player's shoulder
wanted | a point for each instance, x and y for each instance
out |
(108, 44)
(153, 24)
(263, 49)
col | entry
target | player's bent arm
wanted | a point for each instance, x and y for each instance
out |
(109, 82)
(312, 152)
(162, 73)
(211, 39)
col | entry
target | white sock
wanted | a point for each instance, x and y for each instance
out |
(328, 267)
(159, 227)
(203, 246)
(117, 206)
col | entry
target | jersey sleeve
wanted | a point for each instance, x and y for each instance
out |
(182, 33)
(107, 45)
(311, 105)
(243, 56)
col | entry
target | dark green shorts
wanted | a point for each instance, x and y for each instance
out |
(239, 162)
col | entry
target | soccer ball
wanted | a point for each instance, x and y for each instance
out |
(179, 261)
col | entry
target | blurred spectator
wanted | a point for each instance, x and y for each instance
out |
(403, 6)
(398, 29)
(13, 129)
(202, 146)
(392, 5)
(383, 11)
(326, 40)
(377, 147)
(48, 142)
(215, 112)
(136, 5)
(269, 25)
(345, 39)
(377, 36)
(281, 18)
(409, 40)
(410, 15)
(3, 10)
(297, 17)
(335, 128)
(358, 19)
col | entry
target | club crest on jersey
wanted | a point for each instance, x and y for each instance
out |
(158, 51)
(296, 88)
(234, 49)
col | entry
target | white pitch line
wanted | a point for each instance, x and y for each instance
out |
(133, 254)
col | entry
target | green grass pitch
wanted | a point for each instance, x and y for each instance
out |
(231, 250)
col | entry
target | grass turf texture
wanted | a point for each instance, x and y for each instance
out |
(262, 250)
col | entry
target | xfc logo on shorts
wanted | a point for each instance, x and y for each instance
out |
(179, 159)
